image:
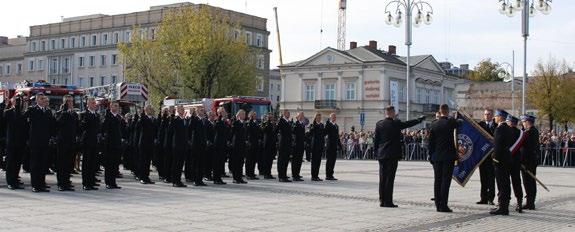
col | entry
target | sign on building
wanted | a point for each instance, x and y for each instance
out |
(372, 90)
(393, 93)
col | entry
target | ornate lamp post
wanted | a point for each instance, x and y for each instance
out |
(417, 10)
(528, 9)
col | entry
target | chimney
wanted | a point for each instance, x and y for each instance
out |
(373, 44)
(391, 50)
(352, 45)
(3, 40)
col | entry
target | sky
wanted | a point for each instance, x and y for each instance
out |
(462, 32)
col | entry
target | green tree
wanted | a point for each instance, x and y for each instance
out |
(551, 91)
(486, 70)
(196, 52)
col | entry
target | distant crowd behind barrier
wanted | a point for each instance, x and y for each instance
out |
(556, 149)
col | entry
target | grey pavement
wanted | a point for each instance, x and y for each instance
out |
(350, 204)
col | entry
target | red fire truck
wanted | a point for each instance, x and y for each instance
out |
(55, 93)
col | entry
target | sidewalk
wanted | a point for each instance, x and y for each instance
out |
(350, 204)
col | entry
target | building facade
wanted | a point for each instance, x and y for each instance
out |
(275, 88)
(83, 51)
(12, 65)
(364, 80)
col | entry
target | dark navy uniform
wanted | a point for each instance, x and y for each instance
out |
(253, 149)
(90, 127)
(387, 145)
(317, 144)
(443, 155)
(16, 136)
(285, 147)
(270, 135)
(502, 161)
(180, 148)
(222, 132)
(486, 170)
(530, 157)
(42, 128)
(67, 123)
(147, 128)
(516, 165)
(239, 141)
(112, 129)
(297, 156)
(333, 144)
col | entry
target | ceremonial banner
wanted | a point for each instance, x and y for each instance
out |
(473, 146)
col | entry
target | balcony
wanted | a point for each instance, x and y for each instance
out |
(325, 105)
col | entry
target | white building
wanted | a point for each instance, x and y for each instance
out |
(83, 50)
(275, 89)
(364, 79)
(12, 64)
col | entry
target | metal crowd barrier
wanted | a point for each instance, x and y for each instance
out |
(557, 156)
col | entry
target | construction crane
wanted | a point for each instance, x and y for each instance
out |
(341, 25)
(278, 35)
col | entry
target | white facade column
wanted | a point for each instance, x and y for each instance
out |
(318, 84)
(359, 87)
(338, 87)
(384, 83)
(283, 88)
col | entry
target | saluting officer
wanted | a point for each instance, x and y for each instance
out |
(16, 135)
(387, 145)
(443, 155)
(502, 162)
(112, 131)
(253, 149)
(530, 156)
(42, 125)
(67, 124)
(299, 141)
(486, 170)
(147, 127)
(317, 144)
(270, 134)
(285, 145)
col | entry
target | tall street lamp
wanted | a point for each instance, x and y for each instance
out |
(528, 9)
(394, 15)
(509, 76)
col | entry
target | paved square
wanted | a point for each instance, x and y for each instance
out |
(350, 204)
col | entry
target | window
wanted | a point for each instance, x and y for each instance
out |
(66, 81)
(349, 91)
(43, 45)
(427, 96)
(260, 62)
(249, 38)
(116, 38)
(80, 81)
(54, 81)
(279, 87)
(418, 95)
(92, 61)
(19, 69)
(401, 92)
(103, 60)
(91, 82)
(153, 33)
(53, 44)
(8, 70)
(83, 41)
(128, 36)
(62, 43)
(72, 42)
(40, 64)
(31, 65)
(259, 40)
(102, 80)
(309, 92)
(33, 46)
(81, 61)
(66, 66)
(94, 38)
(54, 66)
(114, 59)
(104, 39)
(260, 84)
(114, 80)
(329, 91)
(1, 70)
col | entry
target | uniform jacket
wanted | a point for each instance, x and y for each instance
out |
(387, 140)
(42, 125)
(441, 139)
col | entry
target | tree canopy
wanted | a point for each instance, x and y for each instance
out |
(195, 52)
(550, 90)
(486, 70)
